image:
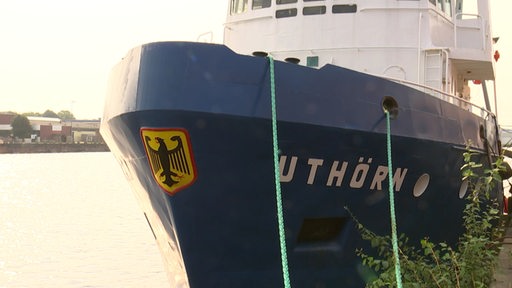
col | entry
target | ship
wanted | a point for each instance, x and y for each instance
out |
(276, 139)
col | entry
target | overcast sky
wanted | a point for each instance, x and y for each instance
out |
(57, 54)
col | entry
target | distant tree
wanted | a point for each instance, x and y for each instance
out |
(66, 115)
(21, 127)
(31, 114)
(50, 113)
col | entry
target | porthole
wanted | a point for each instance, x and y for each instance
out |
(463, 189)
(421, 185)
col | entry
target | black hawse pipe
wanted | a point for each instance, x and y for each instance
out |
(390, 105)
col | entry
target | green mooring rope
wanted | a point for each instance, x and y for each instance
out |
(279, 201)
(398, 273)
(277, 173)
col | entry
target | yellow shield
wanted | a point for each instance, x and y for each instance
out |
(170, 156)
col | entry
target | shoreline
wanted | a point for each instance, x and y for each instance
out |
(13, 148)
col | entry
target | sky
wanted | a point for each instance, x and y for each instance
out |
(58, 54)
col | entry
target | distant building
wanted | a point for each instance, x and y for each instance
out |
(48, 129)
(506, 136)
(5, 122)
(85, 131)
(5, 125)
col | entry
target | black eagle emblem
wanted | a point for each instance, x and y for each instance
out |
(173, 163)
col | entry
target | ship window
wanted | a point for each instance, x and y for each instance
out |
(258, 4)
(448, 7)
(315, 10)
(346, 8)
(312, 61)
(286, 13)
(443, 5)
(440, 4)
(279, 2)
(239, 6)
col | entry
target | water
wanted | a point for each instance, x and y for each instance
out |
(71, 220)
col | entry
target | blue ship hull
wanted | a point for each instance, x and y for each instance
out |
(221, 229)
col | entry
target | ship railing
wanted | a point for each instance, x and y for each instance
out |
(450, 98)
(206, 37)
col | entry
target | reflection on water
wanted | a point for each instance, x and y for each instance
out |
(70, 220)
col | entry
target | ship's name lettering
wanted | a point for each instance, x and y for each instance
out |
(358, 175)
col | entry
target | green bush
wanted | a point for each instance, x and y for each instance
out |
(470, 264)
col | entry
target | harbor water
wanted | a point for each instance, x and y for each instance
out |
(71, 220)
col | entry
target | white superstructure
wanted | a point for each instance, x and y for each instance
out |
(437, 43)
